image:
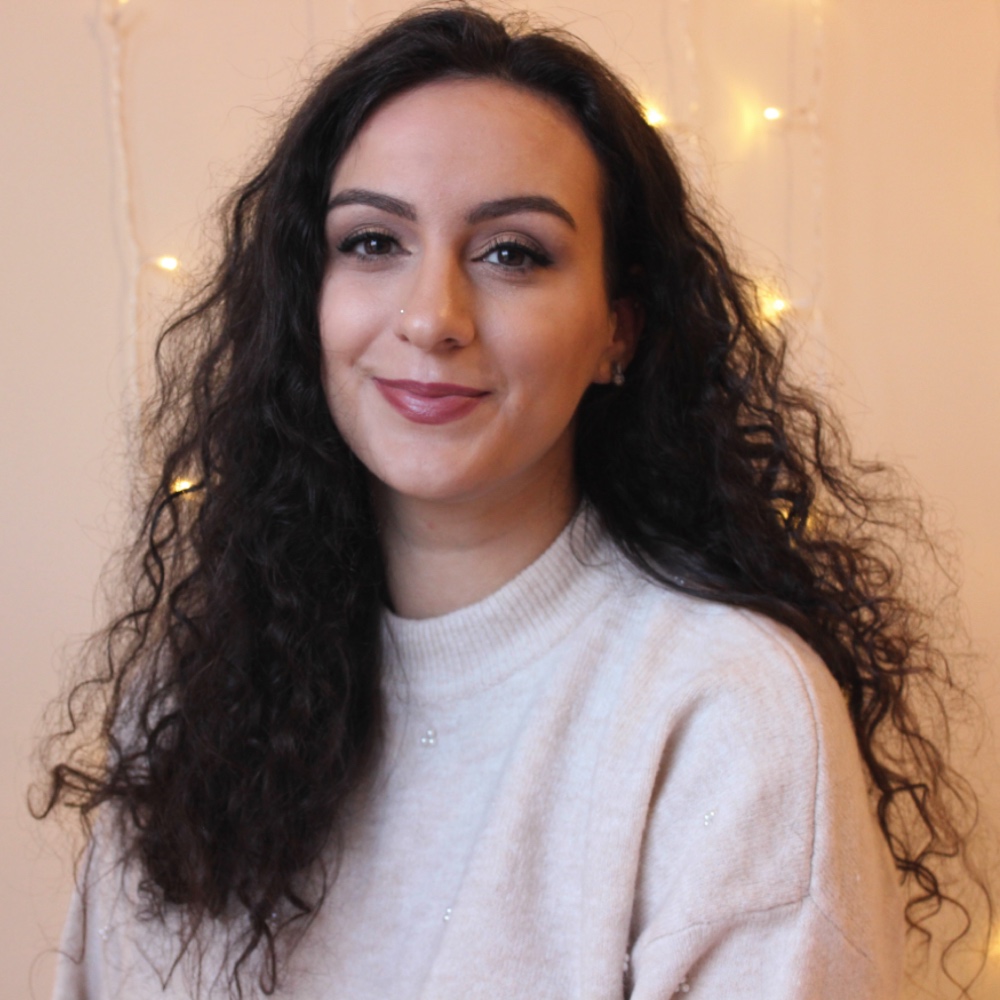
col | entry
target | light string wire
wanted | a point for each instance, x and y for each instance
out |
(114, 35)
(690, 62)
(993, 948)
(310, 15)
(804, 117)
(683, 95)
(814, 114)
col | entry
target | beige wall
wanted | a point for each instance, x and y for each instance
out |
(896, 241)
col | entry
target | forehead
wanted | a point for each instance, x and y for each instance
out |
(474, 140)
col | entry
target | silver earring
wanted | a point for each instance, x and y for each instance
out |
(617, 374)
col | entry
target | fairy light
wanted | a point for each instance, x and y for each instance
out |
(653, 115)
(994, 945)
(785, 114)
(772, 301)
(181, 485)
(774, 307)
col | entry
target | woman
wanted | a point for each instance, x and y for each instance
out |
(523, 633)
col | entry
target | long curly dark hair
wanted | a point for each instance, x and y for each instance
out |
(239, 696)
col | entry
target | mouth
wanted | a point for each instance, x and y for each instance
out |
(430, 402)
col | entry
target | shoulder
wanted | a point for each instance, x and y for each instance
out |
(740, 704)
(724, 665)
(757, 795)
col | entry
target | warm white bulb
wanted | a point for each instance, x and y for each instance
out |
(772, 114)
(181, 485)
(653, 115)
(772, 306)
(168, 263)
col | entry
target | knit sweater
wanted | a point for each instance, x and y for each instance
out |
(592, 787)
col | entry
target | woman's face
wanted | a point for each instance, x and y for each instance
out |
(464, 310)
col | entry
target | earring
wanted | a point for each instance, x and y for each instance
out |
(617, 374)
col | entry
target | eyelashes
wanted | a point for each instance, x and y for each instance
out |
(515, 254)
(508, 253)
(368, 243)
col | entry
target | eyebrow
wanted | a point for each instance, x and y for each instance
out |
(385, 202)
(481, 213)
(521, 203)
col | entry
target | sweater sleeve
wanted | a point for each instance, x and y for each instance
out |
(79, 971)
(763, 872)
(109, 951)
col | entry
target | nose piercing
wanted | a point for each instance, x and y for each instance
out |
(401, 311)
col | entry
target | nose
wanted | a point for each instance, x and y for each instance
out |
(437, 312)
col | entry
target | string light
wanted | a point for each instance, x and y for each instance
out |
(813, 519)
(653, 115)
(772, 302)
(180, 485)
(787, 113)
(774, 307)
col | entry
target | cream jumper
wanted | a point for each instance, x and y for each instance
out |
(594, 788)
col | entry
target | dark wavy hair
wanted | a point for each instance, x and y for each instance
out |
(239, 698)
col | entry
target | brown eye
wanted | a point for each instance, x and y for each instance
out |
(368, 244)
(515, 256)
(376, 245)
(510, 255)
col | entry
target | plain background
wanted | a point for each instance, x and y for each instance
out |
(877, 197)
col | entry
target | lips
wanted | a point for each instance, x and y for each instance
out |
(430, 402)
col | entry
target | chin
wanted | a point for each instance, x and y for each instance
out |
(427, 485)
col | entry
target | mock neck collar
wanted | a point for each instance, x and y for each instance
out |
(478, 646)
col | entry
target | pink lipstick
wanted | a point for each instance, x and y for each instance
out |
(430, 402)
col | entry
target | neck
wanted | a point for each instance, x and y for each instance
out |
(441, 556)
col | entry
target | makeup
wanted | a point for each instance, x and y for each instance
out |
(430, 402)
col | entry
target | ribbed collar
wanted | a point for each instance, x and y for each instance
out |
(477, 647)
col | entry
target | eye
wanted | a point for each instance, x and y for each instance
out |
(515, 255)
(368, 243)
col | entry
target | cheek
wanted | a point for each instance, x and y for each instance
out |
(348, 318)
(564, 357)
(340, 346)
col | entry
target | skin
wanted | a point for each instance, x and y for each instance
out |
(466, 250)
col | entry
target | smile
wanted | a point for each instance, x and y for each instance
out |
(430, 402)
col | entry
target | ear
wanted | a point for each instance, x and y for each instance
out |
(629, 320)
(626, 319)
